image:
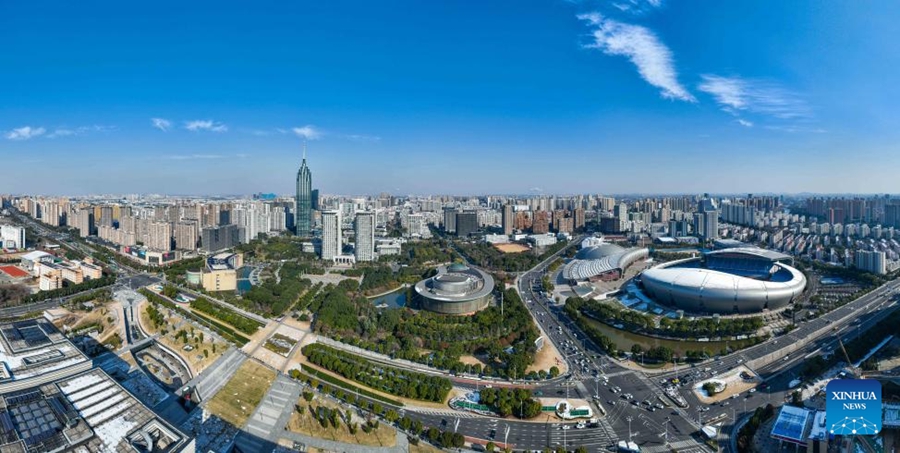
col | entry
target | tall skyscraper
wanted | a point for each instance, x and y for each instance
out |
(303, 211)
(365, 236)
(508, 219)
(331, 234)
(706, 219)
(466, 223)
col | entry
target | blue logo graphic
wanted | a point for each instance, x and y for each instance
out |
(853, 406)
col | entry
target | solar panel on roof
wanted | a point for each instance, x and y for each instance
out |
(790, 423)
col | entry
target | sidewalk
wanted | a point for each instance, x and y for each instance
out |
(401, 447)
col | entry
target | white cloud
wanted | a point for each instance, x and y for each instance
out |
(308, 132)
(744, 122)
(66, 132)
(737, 94)
(797, 129)
(194, 156)
(161, 124)
(205, 125)
(25, 133)
(652, 58)
(62, 133)
(637, 6)
(362, 138)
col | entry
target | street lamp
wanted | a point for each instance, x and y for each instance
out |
(667, 431)
(629, 427)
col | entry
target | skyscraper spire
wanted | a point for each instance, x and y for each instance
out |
(303, 201)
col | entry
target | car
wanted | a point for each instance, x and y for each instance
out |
(752, 390)
(493, 434)
(566, 427)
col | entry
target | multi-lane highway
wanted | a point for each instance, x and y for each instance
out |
(776, 361)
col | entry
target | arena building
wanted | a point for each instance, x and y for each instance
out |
(455, 290)
(598, 260)
(733, 280)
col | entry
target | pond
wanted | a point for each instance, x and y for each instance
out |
(243, 279)
(395, 299)
(624, 340)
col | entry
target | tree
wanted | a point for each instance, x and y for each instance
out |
(490, 447)
(581, 449)
(554, 372)
(170, 291)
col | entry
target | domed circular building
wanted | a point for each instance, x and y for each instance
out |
(456, 290)
(599, 260)
(736, 280)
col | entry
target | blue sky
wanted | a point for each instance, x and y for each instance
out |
(450, 97)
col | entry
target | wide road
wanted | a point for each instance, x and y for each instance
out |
(586, 360)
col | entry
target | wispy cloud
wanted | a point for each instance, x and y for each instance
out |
(205, 125)
(25, 133)
(82, 130)
(308, 132)
(362, 138)
(636, 6)
(744, 122)
(797, 129)
(639, 44)
(735, 94)
(161, 124)
(194, 156)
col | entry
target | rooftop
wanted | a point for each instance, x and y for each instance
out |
(33, 348)
(88, 410)
(792, 424)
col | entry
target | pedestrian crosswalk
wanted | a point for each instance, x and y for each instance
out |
(681, 446)
(454, 414)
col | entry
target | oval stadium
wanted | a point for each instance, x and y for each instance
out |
(735, 280)
(455, 290)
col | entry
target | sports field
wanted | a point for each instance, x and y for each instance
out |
(511, 248)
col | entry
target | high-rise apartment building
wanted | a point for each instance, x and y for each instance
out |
(85, 222)
(218, 238)
(186, 235)
(160, 236)
(508, 219)
(579, 219)
(303, 210)
(365, 236)
(331, 234)
(450, 220)
(106, 216)
(870, 261)
(541, 222)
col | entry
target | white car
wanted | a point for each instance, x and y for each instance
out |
(753, 390)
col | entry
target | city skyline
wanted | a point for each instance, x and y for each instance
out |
(550, 97)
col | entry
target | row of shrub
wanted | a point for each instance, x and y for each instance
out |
(224, 314)
(395, 381)
(224, 331)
